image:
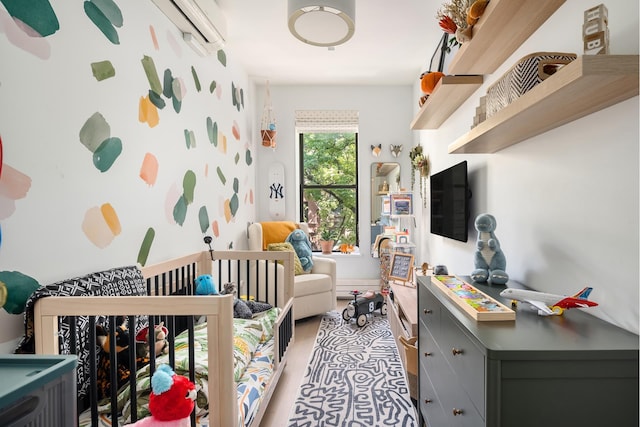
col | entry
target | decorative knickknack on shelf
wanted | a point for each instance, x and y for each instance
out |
(420, 164)
(268, 125)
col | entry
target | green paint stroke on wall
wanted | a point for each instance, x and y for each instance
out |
(248, 158)
(15, 289)
(189, 185)
(212, 86)
(101, 21)
(236, 185)
(94, 131)
(37, 14)
(107, 153)
(168, 84)
(221, 175)
(222, 57)
(190, 138)
(203, 216)
(212, 131)
(110, 10)
(180, 210)
(102, 70)
(196, 80)
(143, 253)
(156, 100)
(236, 158)
(177, 104)
(152, 74)
(234, 204)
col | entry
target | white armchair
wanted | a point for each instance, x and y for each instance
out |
(315, 292)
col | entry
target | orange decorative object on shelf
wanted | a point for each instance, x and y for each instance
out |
(429, 81)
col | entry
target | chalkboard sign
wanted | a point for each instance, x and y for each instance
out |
(401, 266)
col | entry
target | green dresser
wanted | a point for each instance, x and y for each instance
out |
(570, 370)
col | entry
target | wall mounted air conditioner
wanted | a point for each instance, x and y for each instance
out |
(202, 23)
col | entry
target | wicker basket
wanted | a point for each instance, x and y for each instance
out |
(524, 76)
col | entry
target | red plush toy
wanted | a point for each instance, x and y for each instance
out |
(171, 401)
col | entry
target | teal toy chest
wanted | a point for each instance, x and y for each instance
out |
(38, 390)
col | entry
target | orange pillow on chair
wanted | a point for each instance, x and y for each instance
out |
(276, 232)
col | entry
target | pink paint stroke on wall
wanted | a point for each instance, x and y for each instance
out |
(149, 169)
(14, 185)
(154, 38)
(23, 37)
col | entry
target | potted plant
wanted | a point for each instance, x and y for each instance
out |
(326, 241)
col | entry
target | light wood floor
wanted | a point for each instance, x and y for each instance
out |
(285, 394)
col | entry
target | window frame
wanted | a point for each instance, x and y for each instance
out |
(302, 187)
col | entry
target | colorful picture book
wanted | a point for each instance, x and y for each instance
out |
(474, 302)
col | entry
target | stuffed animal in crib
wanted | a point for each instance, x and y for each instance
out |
(160, 340)
(302, 246)
(490, 262)
(205, 285)
(171, 401)
(122, 356)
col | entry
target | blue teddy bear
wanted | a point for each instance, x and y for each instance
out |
(302, 246)
(205, 285)
(490, 261)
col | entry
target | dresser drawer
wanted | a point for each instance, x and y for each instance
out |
(429, 310)
(465, 359)
(430, 405)
(456, 407)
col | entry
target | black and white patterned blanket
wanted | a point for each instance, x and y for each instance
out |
(120, 281)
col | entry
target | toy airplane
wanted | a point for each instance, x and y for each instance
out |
(550, 304)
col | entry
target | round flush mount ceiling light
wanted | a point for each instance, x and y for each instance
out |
(323, 23)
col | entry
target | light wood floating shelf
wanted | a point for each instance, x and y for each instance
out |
(448, 95)
(586, 85)
(503, 27)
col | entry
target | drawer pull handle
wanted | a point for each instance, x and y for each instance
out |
(427, 311)
(427, 353)
(457, 412)
(456, 351)
(428, 401)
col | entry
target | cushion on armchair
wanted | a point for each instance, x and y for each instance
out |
(276, 232)
(286, 246)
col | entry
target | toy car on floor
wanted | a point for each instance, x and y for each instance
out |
(361, 306)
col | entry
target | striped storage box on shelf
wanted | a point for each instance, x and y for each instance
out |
(522, 77)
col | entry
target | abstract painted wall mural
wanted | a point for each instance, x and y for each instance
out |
(101, 225)
(237, 96)
(14, 185)
(35, 17)
(189, 138)
(95, 135)
(196, 79)
(145, 247)
(188, 190)
(149, 169)
(102, 70)
(124, 204)
(105, 15)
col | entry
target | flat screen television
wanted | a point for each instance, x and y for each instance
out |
(450, 202)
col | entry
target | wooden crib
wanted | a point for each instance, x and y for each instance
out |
(170, 297)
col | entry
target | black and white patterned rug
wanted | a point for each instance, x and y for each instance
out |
(354, 378)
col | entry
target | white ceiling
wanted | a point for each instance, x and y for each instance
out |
(392, 44)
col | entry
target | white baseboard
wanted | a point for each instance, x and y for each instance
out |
(345, 286)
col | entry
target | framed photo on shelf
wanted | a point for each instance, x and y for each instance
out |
(386, 205)
(402, 204)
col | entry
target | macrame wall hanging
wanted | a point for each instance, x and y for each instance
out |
(268, 125)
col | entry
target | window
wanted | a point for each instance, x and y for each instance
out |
(329, 186)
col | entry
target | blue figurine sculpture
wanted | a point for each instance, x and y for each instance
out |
(490, 262)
